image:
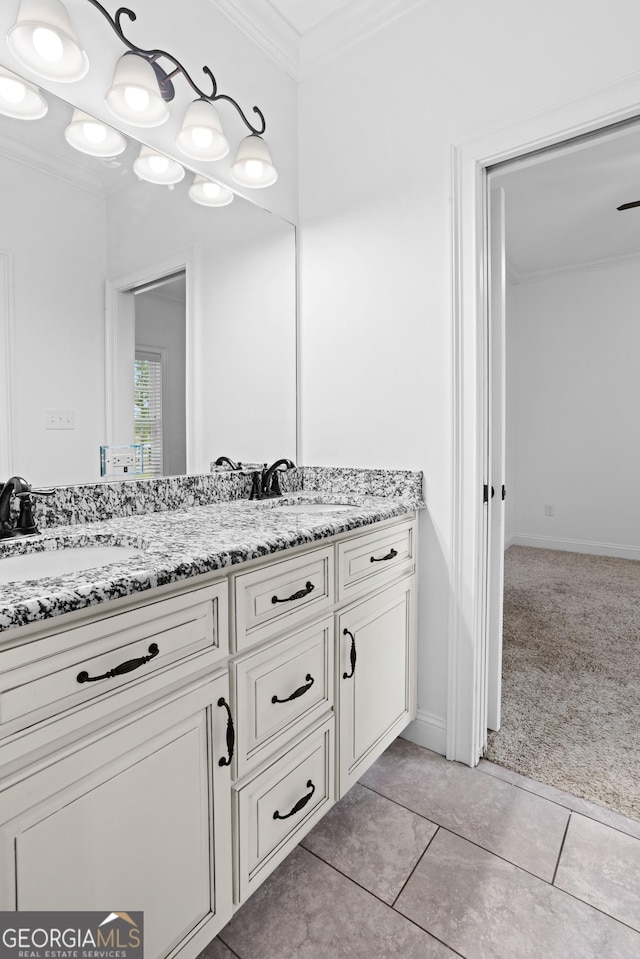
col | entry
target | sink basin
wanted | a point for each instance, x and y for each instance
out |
(57, 562)
(312, 507)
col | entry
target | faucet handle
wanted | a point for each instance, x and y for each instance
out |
(26, 524)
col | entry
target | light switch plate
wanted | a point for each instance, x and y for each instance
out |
(59, 419)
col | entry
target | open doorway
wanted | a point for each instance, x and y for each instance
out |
(159, 373)
(572, 466)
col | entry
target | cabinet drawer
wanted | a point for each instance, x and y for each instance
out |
(276, 808)
(375, 557)
(278, 596)
(280, 689)
(77, 665)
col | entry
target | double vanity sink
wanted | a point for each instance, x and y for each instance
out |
(60, 557)
(199, 685)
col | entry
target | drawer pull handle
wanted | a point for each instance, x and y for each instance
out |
(127, 667)
(352, 654)
(300, 691)
(301, 803)
(382, 559)
(231, 735)
(308, 588)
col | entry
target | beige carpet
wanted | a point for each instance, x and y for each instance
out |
(571, 674)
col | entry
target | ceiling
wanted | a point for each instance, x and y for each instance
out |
(304, 15)
(301, 35)
(561, 205)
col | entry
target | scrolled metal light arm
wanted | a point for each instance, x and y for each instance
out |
(165, 78)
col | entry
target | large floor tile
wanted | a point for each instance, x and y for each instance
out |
(602, 866)
(486, 908)
(583, 806)
(217, 950)
(511, 822)
(307, 910)
(372, 840)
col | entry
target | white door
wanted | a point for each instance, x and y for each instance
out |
(495, 452)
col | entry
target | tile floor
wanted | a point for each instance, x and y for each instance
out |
(427, 859)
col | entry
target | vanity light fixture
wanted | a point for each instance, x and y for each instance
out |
(253, 166)
(135, 96)
(207, 193)
(92, 136)
(43, 40)
(201, 136)
(157, 168)
(19, 98)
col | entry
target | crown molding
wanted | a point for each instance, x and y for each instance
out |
(62, 168)
(347, 27)
(301, 55)
(581, 266)
(271, 32)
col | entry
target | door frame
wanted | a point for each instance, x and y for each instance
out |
(118, 332)
(467, 652)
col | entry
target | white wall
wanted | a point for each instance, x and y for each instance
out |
(160, 322)
(57, 307)
(376, 128)
(575, 393)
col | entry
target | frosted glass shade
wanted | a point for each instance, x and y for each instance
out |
(135, 96)
(208, 193)
(43, 40)
(157, 168)
(253, 166)
(91, 136)
(19, 98)
(201, 136)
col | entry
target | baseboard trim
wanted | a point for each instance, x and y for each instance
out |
(509, 541)
(576, 546)
(427, 730)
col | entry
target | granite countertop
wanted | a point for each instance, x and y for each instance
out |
(178, 544)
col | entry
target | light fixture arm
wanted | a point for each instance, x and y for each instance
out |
(164, 78)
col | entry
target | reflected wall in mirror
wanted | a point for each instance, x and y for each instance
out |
(74, 227)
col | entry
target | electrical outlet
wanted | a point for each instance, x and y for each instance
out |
(549, 509)
(59, 419)
(121, 460)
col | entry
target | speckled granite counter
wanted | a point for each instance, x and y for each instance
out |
(181, 543)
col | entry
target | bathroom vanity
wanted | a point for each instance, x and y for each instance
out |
(171, 728)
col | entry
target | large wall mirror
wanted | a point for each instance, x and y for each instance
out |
(90, 254)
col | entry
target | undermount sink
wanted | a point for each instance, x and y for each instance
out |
(312, 507)
(58, 562)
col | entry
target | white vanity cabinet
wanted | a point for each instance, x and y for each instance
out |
(117, 796)
(376, 676)
(167, 755)
(134, 817)
(326, 668)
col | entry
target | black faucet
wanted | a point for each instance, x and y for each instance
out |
(225, 459)
(267, 485)
(25, 526)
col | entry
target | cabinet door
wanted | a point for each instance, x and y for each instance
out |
(136, 817)
(376, 677)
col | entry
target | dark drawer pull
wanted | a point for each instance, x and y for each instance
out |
(352, 654)
(231, 734)
(127, 667)
(308, 588)
(301, 803)
(382, 559)
(300, 691)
